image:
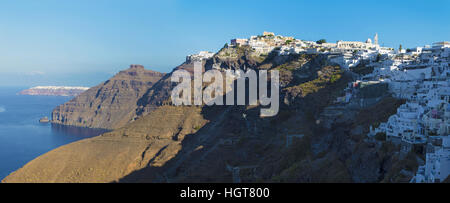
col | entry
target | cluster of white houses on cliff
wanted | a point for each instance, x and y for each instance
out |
(420, 75)
(345, 53)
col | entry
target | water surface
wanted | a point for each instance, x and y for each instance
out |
(22, 137)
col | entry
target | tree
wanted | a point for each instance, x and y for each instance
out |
(321, 41)
(400, 48)
(378, 57)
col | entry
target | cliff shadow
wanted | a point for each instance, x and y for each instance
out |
(236, 137)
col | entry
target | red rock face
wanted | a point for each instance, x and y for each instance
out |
(111, 104)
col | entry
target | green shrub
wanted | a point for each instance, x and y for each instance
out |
(321, 41)
(380, 136)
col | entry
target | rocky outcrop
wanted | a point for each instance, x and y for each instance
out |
(53, 91)
(205, 144)
(166, 143)
(109, 105)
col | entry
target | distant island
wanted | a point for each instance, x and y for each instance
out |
(54, 91)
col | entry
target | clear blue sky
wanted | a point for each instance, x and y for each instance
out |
(83, 42)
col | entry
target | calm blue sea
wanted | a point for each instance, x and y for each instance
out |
(22, 137)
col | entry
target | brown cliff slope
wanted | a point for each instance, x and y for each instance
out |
(212, 144)
(149, 141)
(154, 149)
(109, 105)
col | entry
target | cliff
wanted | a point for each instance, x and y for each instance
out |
(205, 144)
(109, 105)
(54, 91)
(111, 156)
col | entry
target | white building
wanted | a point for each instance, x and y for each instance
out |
(423, 80)
(202, 55)
(437, 165)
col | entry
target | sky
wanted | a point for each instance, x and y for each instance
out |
(84, 42)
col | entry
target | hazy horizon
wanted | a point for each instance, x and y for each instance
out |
(82, 43)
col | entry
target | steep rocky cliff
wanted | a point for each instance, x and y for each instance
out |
(111, 104)
(233, 143)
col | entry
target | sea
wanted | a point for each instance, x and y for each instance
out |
(22, 137)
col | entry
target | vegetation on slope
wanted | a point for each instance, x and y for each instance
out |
(362, 69)
(180, 144)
